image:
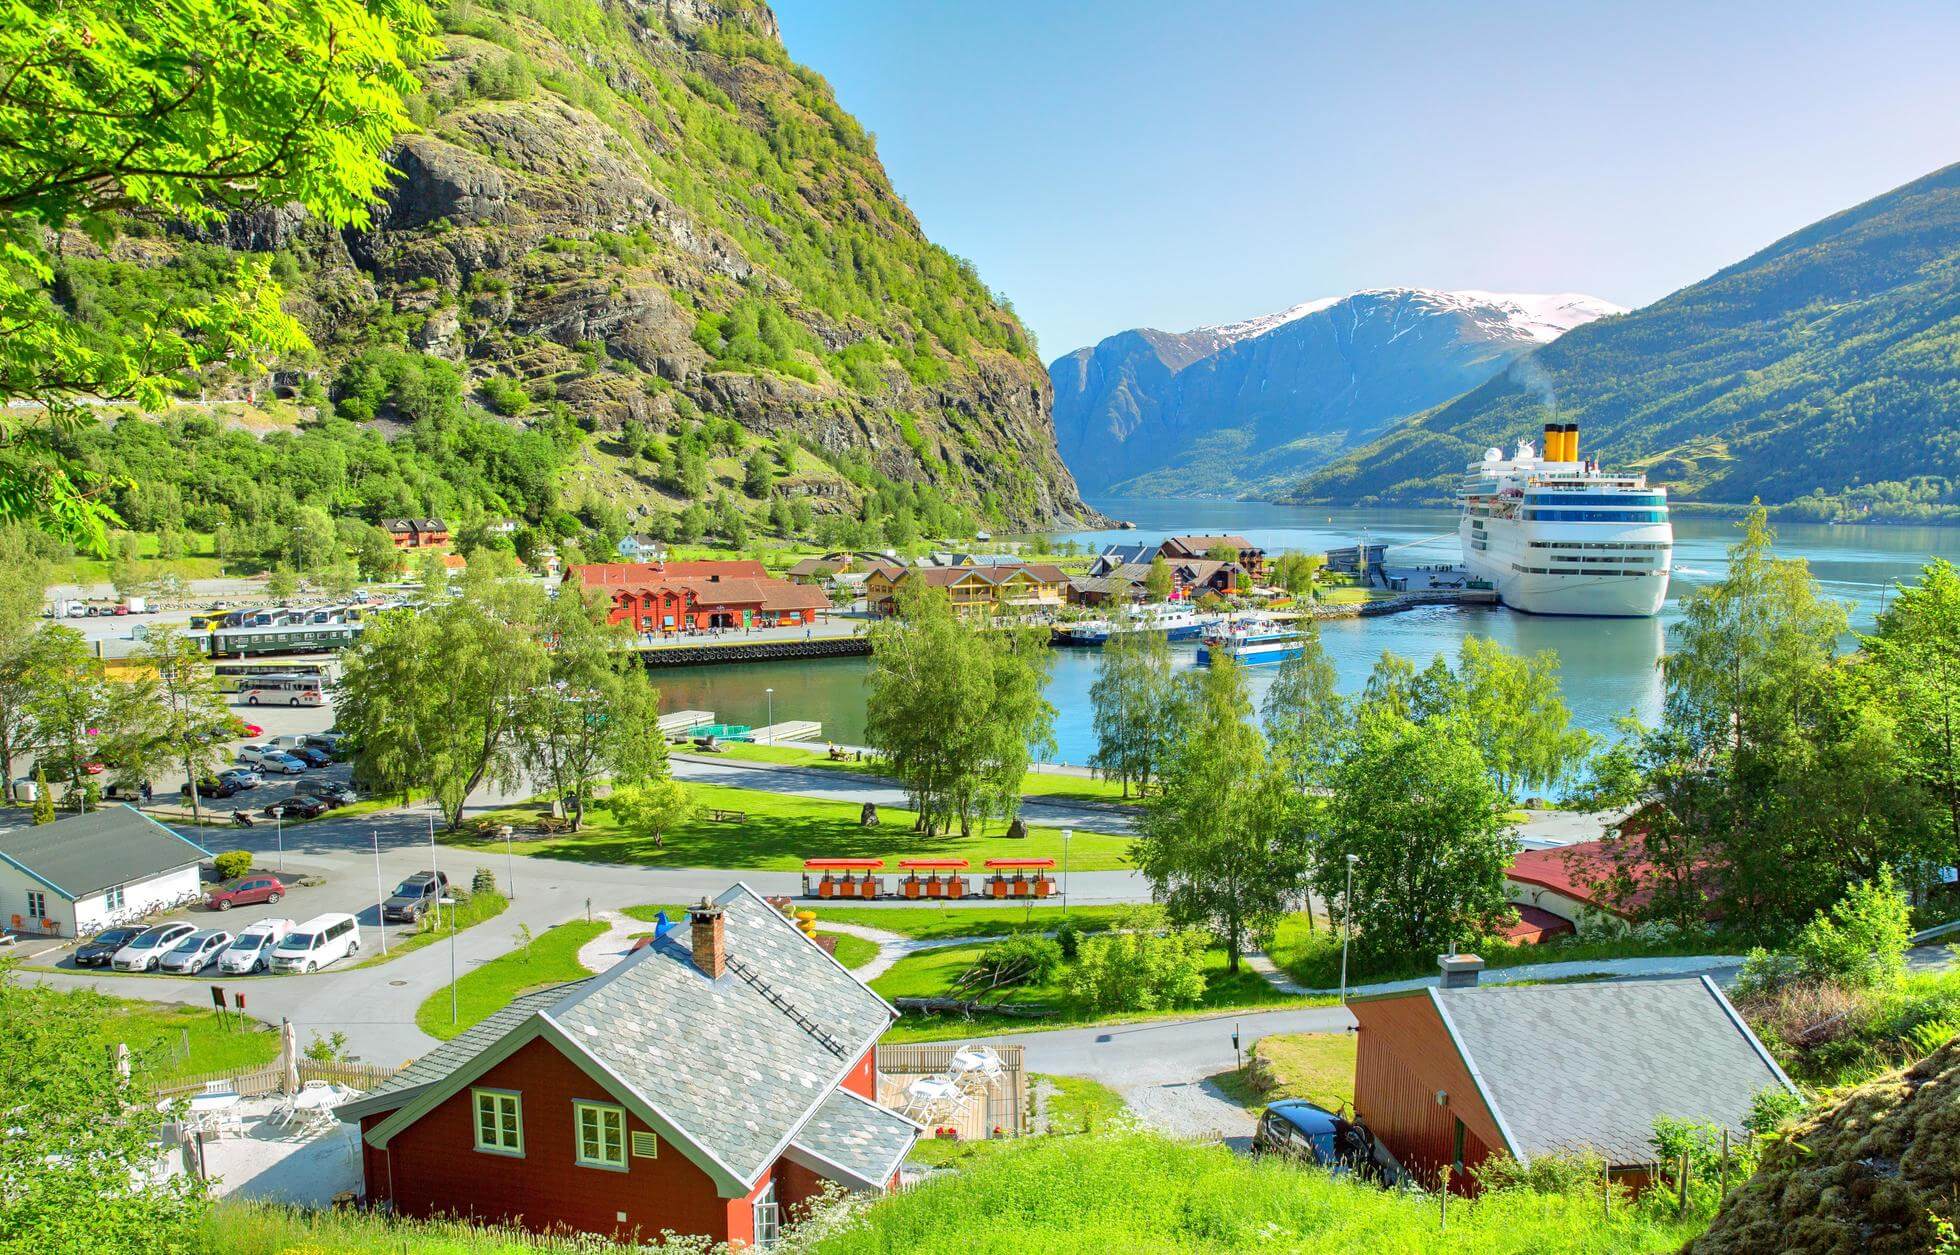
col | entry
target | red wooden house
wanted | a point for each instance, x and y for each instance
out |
(707, 1084)
(673, 597)
(1451, 1076)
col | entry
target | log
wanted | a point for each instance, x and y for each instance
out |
(961, 1006)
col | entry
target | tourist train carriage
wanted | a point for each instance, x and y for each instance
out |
(942, 878)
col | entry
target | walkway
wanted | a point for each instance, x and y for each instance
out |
(1626, 969)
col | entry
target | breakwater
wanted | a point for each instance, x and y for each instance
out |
(723, 652)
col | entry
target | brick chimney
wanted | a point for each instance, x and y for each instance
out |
(1459, 970)
(710, 941)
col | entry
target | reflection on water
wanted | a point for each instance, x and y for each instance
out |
(1608, 665)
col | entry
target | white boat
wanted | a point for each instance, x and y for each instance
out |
(1554, 534)
(1252, 645)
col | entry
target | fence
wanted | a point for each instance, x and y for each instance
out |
(256, 1082)
(1006, 1105)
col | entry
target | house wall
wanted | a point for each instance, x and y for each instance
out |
(15, 885)
(433, 1167)
(92, 913)
(862, 1079)
(1403, 1058)
(1585, 917)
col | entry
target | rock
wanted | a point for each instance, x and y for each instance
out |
(437, 181)
(868, 817)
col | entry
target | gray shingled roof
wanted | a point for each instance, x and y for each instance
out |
(83, 854)
(858, 1136)
(1580, 1067)
(719, 1058)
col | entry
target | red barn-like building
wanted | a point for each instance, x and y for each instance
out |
(707, 1084)
(655, 598)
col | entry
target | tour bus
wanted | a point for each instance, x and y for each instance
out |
(233, 677)
(283, 690)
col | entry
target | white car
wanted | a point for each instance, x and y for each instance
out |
(196, 952)
(251, 950)
(280, 763)
(255, 753)
(148, 947)
(319, 941)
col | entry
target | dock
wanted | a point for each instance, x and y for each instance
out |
(684, 721)
(789, 730)
(693, 652)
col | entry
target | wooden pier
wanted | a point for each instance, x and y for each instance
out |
(789, 730)
(684, 721)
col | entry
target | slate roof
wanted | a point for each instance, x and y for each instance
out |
(857, 1135)
(1199, 546)
(1567, 1068)
(1114, 556)
(737, 1064)
(83, 854)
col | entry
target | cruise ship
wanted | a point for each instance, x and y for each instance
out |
(1556, 535)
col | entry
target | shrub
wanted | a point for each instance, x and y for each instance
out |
(1545, 1174)
(1139, 971)
(485, 881)
(1021, 959)
(232, 864)
(1863, 940)
(1773, 1108)
(1069, 938)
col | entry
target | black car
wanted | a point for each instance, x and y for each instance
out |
(297, 806)
(328, 791)
(99, 949)
(211, 786)
(1297, 1129)
(311, 755)
(414, 896)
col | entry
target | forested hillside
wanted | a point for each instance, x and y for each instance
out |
(638, 271)
(1821, 375)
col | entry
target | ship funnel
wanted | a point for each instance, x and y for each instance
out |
(1571, 442)
(1553, 448)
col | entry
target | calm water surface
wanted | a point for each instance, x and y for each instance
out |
(1608, 665)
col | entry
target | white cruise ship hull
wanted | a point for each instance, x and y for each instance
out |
(1597, 569)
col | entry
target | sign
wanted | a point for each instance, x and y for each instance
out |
(218, 996)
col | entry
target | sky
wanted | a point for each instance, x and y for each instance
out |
(1144, 163)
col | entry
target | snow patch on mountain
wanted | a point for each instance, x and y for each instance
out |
(1539, 316)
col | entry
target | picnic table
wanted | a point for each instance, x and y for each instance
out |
(728, 817)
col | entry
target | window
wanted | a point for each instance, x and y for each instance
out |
(113, 899)
(768, 1218)
(499, 1122)
(601, 1141)
(37, 904)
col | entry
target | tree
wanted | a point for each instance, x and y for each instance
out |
(282, 584)
(67, 699)
(99, 1192)
(23, 584)
(435, 697)
(119, 110)
(1307, 720)
(43, 798)
(311, 543)
(1296, 572)
(1517, 716)
(1157, 580)
(759, 474)
(1220, 844)
(1914, 654)
(655, 807)
(1415, 805)
(1132, 696)
(181, 713)
(1222, 552)
(375, 554)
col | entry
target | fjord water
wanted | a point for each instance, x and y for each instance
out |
(1608, 666)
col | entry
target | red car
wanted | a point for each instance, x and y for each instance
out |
(246, 891)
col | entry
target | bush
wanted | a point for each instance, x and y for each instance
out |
(1139, 971)
(232, 864)
(485, 881)
(1021, 959)
(1862, 942)
(1069, 938)
(1545, 1174)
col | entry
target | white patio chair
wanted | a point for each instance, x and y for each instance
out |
(976, 1066)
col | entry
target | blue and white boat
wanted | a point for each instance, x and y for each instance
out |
(1251, 646)
(1176, 625)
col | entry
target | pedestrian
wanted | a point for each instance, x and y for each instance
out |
(147, 793)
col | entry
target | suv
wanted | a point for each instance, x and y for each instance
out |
(146, 948)
(414, 896)
(246, 891)
(214, 786)
(99, 949)
(328, 791)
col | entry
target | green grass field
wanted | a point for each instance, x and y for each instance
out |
(931, 973)
(169, 1040)
(781, 830)
(476, 909)
(939, 923)
(1318, 1067)
(853, 952)
(551, 957)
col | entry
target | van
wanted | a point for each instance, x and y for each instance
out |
(319, 941)
(288, 742)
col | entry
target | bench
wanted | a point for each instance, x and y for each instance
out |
(729, 817)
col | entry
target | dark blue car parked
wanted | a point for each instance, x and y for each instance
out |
(1298, 1129)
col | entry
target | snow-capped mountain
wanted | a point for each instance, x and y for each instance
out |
(1248, 406)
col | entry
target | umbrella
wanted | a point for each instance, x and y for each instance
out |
(122, 1060)
(288, 1057)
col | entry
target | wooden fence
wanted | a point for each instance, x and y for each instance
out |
(256, 1082)
(1006, 1105)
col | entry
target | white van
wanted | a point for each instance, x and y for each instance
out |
(319, 941)
(251, 950)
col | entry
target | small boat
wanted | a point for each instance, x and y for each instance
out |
(1251, 646)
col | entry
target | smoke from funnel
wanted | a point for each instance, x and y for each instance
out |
(1535, 379)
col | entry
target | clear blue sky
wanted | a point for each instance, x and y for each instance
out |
(1120, 163)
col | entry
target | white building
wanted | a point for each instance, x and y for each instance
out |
(74, 876)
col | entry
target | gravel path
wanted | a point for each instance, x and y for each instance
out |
(893, 946)
(609, 947)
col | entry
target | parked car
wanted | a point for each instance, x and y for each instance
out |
(255, 753)
(414, 896)
(146, 948)
(251, 950)
(296, 806)
(99, 949)
(246, 891)
(312, 756)
(319, 941)
(332, 792)
(333, 742)
(1300, 1130)
(213, 786)
(196, 952)
(278, 762)
(242, 778)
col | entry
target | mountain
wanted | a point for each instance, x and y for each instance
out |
(631, 245)
(1246, 407)
(1822, 375)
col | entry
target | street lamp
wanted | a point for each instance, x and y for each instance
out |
(1347, 921)
(1066, 834)
(510, 864)
(380, 898)
(279, 832)
(771, 695)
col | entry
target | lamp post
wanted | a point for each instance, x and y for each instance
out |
(380, 898)
(1347, 921)
(279, 833)
(771, 695)
(510, 864)
(1066, 834)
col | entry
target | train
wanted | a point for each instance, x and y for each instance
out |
(294, 638)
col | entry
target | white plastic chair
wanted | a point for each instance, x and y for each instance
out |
(976, 1065)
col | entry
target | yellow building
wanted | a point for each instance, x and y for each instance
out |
(1015, 586)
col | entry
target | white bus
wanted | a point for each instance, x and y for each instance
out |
(283, 690)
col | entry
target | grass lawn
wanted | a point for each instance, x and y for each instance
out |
(1314, 958)
(465, 915)
(551, 957)
(1349, 595)
(931, 973)
(168, 1040)
(852, 951)
(781, 830)
(1045, 784)
(1318, 1067)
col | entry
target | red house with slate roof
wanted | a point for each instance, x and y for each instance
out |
(707, 1084)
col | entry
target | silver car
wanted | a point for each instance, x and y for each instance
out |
(149, 946)
(195, 953)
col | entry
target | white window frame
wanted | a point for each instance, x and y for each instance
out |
(37, 904)
(112, 898)
(612, 1143)
(767, 1218)
(499, 1100)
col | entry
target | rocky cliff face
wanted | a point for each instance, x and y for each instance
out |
(1245, 408)
(644, 210)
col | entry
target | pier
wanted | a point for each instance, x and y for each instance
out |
(704, 653)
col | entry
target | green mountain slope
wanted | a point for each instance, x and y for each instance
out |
(1821, 374)
(633, 249)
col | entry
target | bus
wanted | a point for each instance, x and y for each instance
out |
(283, 690)
(233, 675)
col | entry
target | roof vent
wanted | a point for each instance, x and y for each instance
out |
(1459, 970)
